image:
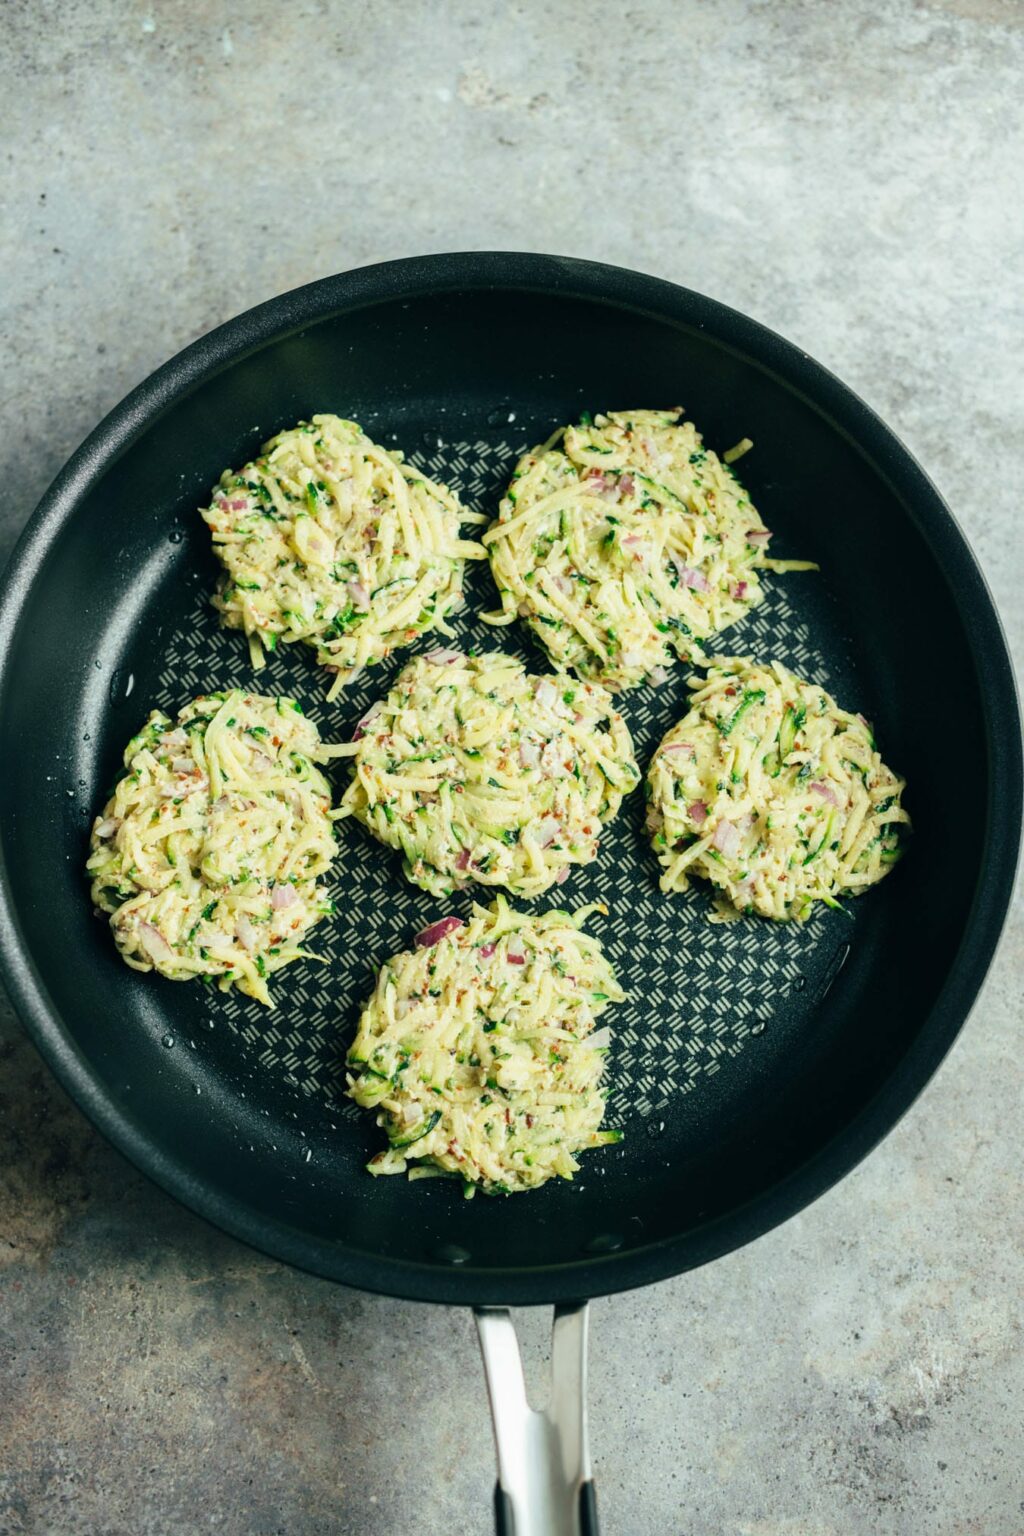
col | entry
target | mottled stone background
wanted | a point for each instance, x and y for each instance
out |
(850, 174)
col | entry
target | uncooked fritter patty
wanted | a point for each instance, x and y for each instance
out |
(328, 538)
(624, 541)
(773, 793)
(478, 771)
(208, 857)
(478, 1049)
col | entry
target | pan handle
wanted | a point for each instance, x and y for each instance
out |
(544, 1482)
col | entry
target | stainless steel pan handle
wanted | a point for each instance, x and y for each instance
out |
(544, 1480)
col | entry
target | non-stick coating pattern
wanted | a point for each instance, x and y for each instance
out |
(698, 994)
(746, 1062)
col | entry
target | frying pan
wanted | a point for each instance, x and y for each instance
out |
(754, 1064)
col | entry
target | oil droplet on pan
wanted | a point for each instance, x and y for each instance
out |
(605, 1242)
(451, 1253)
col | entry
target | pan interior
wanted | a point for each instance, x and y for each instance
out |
(743, 1049)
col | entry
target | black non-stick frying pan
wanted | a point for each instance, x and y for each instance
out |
(754, 1064)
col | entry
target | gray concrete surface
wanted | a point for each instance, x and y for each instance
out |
(850, 174)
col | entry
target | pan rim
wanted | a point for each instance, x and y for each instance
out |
(568, 277)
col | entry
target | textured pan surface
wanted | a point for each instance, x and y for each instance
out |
(753, 1064)
(698, 994)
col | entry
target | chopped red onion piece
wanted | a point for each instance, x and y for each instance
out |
(437, 931)
(689, 577)
(154, 943)
(739, 591)
(698, 812)
(758, 535)
(445, 658)
(681, 746)
(367, 720)
(563, 875)
(245, 932)
(283, 896)
(486, 951)
(359, 595)
(727, 839)
(826, 792)
(462, 862)
(514, 951)
(549, 828)
(604, 485)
